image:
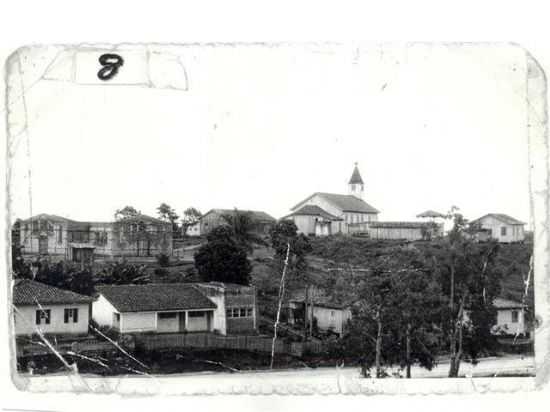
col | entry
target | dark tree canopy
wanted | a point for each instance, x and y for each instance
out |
(221, 259)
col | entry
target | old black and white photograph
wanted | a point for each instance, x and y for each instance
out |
(348, 216)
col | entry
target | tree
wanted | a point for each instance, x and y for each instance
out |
(291, 249)
(166, 213)
(126, 212)
(469, 281)
(242, 224)
(221, 259)
(190, 217)
(122, 273)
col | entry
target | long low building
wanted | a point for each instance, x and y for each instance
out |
(59, 237)
(398, 230)
(177, 307)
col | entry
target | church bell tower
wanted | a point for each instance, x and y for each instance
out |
(355, 184)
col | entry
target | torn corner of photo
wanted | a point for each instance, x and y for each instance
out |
(142, 66)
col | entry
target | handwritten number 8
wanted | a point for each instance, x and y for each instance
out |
(111, 63)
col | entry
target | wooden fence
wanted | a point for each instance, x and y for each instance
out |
(78, 345)
(207, 340)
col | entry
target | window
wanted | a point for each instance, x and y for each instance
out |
(60, 234)
(244, 312)
(168, 315)
(71, 315)
(43, 317)
(515, 316)
(100, 238)
(332, 313)
(199, 314)
(116, 317)
(503, 231)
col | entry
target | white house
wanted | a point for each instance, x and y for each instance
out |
(501, 227)
(331, 213)
(50, 310)
(162, 308)
(329, 316)
(510, 317)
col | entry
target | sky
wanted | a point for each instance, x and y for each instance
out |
(262, 128)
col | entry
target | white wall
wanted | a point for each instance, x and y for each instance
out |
(102, 311)
(25, 320)
(195, 324)
(138, 322)
(504, 319)
(330, 319)
(514, 233)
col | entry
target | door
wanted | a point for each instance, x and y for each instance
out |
(43, 245)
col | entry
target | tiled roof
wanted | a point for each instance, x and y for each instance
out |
(402, 225)
(45, 216)
(502, 217)
(155, 297)
(256, 215)
(346, 203)
(313, 210)
(28, 292)
(501, 303)
(356, 176)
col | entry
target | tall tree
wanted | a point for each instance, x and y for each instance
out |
(242, 224)
(221, 259)
(126, 212)
(166, 213)
(189, 218)
(469, 281)
(291, 249)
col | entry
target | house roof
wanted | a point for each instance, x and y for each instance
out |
(28, 292)
(501, 303)
(256, 215)
(155, 297)
(346, 203)
(313, 210)
(500, 216)
(355, 176)
(430, 213)
(50, 217)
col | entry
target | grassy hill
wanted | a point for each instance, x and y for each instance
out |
(335, 259)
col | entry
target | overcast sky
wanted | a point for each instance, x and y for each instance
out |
(264, 127)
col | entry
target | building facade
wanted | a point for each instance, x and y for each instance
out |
(330, 213)
(261, 221)
(59, 237)
(177, 307)
(49, 310)
(503, 228)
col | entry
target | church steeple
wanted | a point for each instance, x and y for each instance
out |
(355, 184)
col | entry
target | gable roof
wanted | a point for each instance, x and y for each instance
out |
(256, 215)
(155, 297)
(46, 216)
(355, 176)
(346, 203)
(430, 213)
(313, 210)
(28, 292)
(500, 216)
(501, 303)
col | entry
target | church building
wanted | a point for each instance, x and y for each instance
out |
(323, 214)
